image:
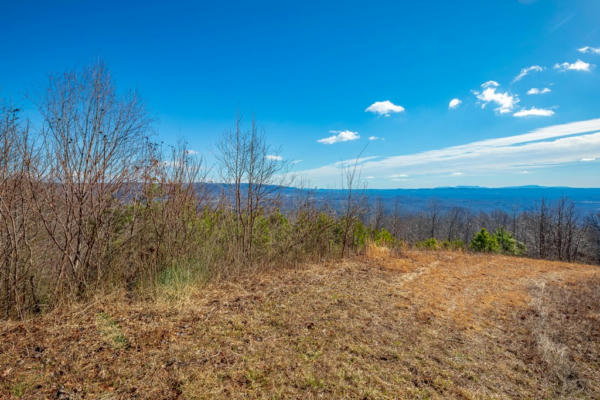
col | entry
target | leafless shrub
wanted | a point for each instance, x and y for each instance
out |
(172, 196)
(92, 158)
(18, 291)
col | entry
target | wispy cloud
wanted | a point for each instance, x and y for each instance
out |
(372, 138)
(505, 101)
(384, 108)
(588, 159)
(340, 136)
(525, 71)
(454, 103)
(576, 66)
(490, 84)
(539, 91)
(537, 112)
(457, 173)
(353, 161)
(562, 22)
(274, 157)
(549, 146)
(588, 49)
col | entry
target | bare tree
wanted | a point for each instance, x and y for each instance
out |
(254, 173)
(173, 193)
(93, 142)
(352, 205)
(542, 228)
(396, 219)
(593, 231)
(434, 210)
(453, 216)
(378, 214)
(17, 227)
(566, 233)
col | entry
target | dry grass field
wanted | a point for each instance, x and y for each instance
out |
(420, 325)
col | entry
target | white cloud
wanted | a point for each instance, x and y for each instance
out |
(273, 157)
(588, 49)
(371, 138)
(296, 162)
(454, 103)
(576, 66)
(489, 83)
(527, 70)
(588, 159)
(506, 102)
(384, 108)
(538, 112)
(457, 174)
(171, 164)
(191, 152)
(549, 146)
(353, 161)
(341, 136)
(399, 176)
(539, 91)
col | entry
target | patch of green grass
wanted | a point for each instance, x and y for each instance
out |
(183, 273)
(111, 331)
(19, 388)
(313, 382)
(255, 377)
(311, 355)
(172, 282)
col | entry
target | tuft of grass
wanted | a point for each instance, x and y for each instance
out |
(111, 332)
(313, 382)
(182, 274)
(177, 282)
(19, 388)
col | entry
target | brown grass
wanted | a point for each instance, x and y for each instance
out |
(424, 325)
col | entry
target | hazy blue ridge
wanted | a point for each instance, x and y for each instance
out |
(471, 197)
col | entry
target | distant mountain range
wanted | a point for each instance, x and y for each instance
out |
(475, 198)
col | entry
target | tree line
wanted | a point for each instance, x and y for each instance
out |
(552, 230)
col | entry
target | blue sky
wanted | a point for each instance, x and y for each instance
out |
(322, 78)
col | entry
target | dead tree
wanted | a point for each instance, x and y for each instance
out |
(542, 228)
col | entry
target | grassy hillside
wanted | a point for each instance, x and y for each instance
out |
(422, 325)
